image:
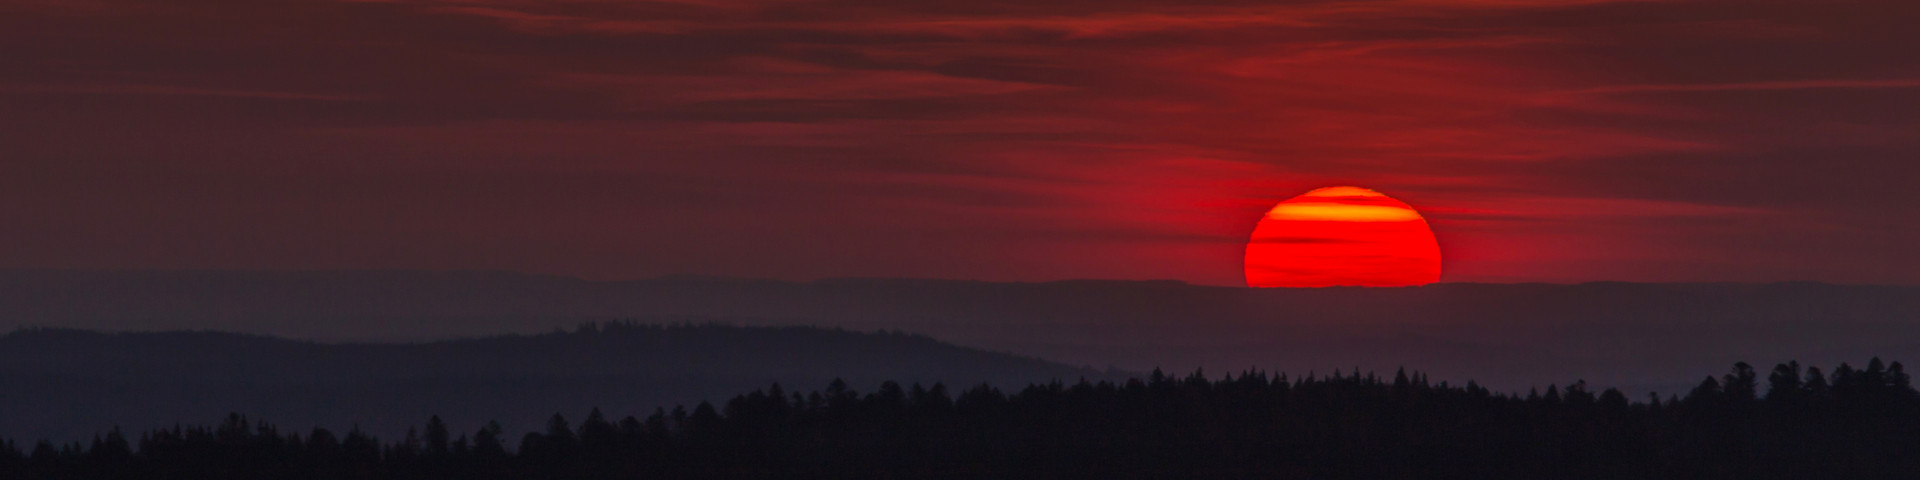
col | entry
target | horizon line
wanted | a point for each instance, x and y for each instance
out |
(832, 279)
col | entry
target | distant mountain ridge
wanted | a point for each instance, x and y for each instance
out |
(1641, 337)
(58, 383)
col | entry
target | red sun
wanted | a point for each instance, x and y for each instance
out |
(1338, 236)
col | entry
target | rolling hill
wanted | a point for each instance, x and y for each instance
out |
(59, 383)
(1640, 337)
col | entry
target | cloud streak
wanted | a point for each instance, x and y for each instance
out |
(1556, 141)
(1758, 86)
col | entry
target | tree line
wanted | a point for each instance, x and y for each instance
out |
(1804, 423)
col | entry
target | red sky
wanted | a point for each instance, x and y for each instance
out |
(1567, 140)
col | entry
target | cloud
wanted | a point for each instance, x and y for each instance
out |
(831, 84)
(1756, 86)
(172, 90)
(1307, 240)
(991, 138)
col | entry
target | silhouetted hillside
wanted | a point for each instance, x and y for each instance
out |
(60, 383)
(1641, 337)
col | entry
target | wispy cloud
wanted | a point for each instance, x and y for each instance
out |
(1755, 86)
(168, 90)
(681, 135)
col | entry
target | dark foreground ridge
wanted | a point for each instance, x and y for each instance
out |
(1854, 423)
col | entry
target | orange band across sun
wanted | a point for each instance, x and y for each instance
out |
(1340, 212)
(1342, 236)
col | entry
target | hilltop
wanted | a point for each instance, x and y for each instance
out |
(61, 383)
(1510, 337)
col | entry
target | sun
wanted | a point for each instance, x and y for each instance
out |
(1342, 236)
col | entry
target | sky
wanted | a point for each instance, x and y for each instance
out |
(1551, 140)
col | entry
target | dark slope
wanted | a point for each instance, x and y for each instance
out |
(63, 383)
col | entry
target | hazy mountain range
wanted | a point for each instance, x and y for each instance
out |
(1508, 336)
(70, 383)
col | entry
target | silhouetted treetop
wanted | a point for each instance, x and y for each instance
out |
(1855, 423)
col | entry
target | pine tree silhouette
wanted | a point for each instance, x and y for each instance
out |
(1852, 424)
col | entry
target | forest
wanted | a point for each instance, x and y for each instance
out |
(1802, 423)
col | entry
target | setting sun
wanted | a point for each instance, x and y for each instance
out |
(1342, 236)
